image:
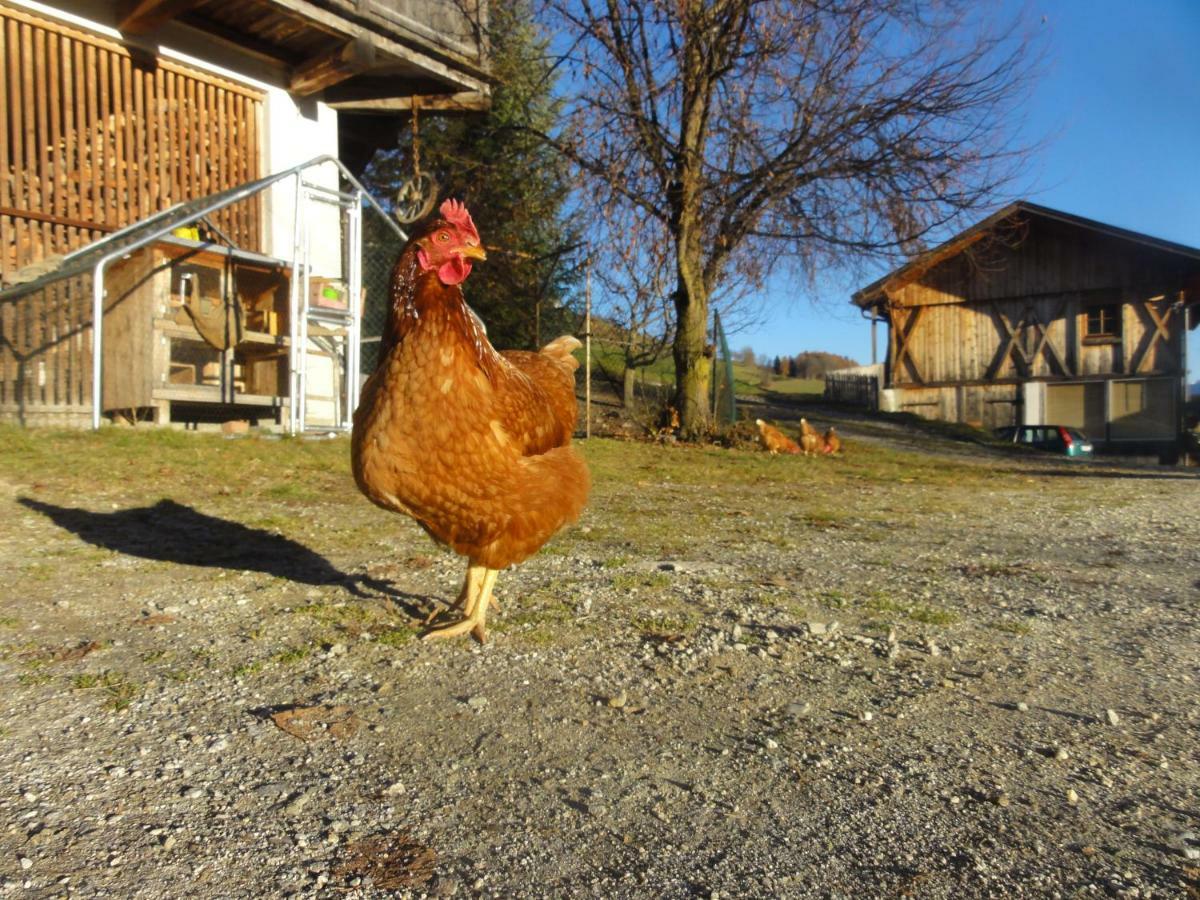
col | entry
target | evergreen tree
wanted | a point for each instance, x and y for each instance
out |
(511, 181)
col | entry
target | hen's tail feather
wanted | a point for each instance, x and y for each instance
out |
(541, 495)
(560, 350)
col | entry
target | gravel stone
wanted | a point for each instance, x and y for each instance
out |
(629, 730)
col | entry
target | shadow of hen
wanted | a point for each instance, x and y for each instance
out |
(171, 532)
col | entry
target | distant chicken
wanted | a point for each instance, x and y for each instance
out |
(471, 443)
(773, 440)
(810, 443)
(832, 443)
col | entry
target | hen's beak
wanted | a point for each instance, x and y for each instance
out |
(475, 252)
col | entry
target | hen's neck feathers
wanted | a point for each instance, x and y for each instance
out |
(421, 303)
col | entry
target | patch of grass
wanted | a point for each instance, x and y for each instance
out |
(396, 636)
(335, 615)
(650, 580)
(39, 571)
(153, 656)
(885, 605)
(9, 622)
(248, 668)
(824, 518)
(915, 612)
(835, 599)
(291, 655)
(541, 636)
(541, 609)
(660, 622)
(34, 678)
(203, 656)
(119, 689)
(292, 490)
(770, 601)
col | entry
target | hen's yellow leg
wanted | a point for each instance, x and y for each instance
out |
(469, 589)
(475, 618)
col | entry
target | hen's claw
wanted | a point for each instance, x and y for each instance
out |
(477, 590)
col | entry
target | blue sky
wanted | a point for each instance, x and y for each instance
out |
(1119, 107)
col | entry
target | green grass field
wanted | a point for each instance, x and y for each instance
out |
(748, 380)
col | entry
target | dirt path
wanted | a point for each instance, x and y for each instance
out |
(889, 675)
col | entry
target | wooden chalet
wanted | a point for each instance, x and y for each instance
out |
(1036, 316)
(113, 111)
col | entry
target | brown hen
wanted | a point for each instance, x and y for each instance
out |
(469, 442)
(773, 440)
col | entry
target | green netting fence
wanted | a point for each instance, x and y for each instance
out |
(724, 402)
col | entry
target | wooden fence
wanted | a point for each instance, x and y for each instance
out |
(93, 138)
(854, 387)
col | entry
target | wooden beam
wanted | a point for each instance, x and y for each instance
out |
(461, 73)
(352, 58)
(1043, 338)
(903, 335)
(54, 220)
(144, 16)
(1009, 334)
(465, 101)
(1158, 331)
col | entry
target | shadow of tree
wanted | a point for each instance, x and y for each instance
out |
(171, 532)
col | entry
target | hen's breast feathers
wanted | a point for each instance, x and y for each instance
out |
(475, 452)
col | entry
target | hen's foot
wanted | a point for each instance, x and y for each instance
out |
(470, 589)
(479, 599)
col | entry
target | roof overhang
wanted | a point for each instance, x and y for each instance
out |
(878, 292)
(357, 54)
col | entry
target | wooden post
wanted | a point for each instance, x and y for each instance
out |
(587, 347)
(713, 372)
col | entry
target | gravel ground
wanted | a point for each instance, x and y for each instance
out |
(829, 680)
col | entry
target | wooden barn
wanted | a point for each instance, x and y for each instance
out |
(1035, 316)
(113, 112)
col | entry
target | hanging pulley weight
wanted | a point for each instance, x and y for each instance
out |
(417, 195)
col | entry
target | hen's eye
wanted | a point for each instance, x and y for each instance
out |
(442, 236)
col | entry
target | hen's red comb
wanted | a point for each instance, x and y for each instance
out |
(456, 214)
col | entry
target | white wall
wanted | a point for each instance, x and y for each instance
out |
(1033, 396)
(296, 132)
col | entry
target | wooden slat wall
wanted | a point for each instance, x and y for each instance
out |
(92, 140)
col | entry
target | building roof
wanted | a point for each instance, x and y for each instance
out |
(373, 55)
(873, 293)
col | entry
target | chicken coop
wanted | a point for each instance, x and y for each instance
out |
(186, 328)
(181, 224)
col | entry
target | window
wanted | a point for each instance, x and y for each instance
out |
(1103, 321)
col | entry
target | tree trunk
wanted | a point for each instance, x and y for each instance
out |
(693, 366)
(627, 386)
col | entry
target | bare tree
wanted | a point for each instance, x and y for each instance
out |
(633, 293)
(755, 132)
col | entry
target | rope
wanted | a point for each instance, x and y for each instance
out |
(416, 140)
